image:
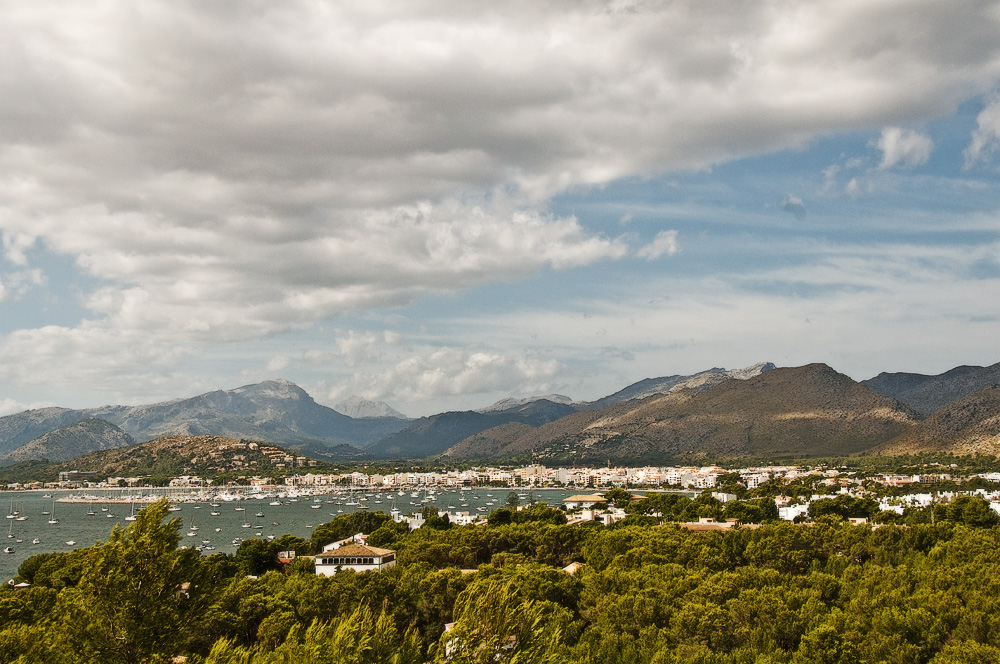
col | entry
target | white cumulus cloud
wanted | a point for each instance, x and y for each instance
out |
(986, 137)
(904, 147)
(664, 244)
(455, 371)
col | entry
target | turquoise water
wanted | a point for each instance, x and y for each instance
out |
(294, 516)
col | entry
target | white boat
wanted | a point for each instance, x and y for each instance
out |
(8, 549)
(36, 541)
(71, 543)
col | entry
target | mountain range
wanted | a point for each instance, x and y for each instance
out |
(791, 412)
(757, 411)
(276, 411)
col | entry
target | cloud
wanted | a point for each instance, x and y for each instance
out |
(10, 406)
(904, 147)
(879, 293)
(794, 206)
(278, 363)
(359, 348)
(618, 353)
(225, 172)
(15, 285)
(986, 137)
(15, 245)
(454, 371)
(664, 244)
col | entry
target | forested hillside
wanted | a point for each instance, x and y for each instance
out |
(828, 592)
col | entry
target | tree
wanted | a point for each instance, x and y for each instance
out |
(138, 596)
(618, 497)
(844, 506)
(494, 624)
(255, 556)
(754, 510)
(513, 500)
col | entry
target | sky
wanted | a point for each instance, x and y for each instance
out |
(438, 203)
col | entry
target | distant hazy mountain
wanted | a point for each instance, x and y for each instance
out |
(758, 410)
(276, 411)
(699, 381)
(811, 410)
(16, 430)
(359, 407)
(512, 402)
(970, 425)
(432, 435)
(70, 441)
(927, 394)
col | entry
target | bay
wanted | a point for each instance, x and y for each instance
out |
(81, 524)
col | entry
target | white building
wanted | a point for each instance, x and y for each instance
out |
(359, 557)
(585, 501)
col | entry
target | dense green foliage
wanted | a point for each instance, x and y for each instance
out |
(926, 590)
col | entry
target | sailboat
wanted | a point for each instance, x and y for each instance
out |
(52, 516)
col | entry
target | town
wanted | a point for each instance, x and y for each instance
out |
(793, 487)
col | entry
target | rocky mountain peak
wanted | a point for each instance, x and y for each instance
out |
(359, 407)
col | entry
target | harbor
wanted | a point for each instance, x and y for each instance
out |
(217, 521)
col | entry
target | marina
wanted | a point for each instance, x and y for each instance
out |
(216, 522)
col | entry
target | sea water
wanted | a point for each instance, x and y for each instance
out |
(214, 529)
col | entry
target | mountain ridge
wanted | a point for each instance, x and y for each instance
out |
(70, 441)
(275, 410)
(772, 413)
(929, 393)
